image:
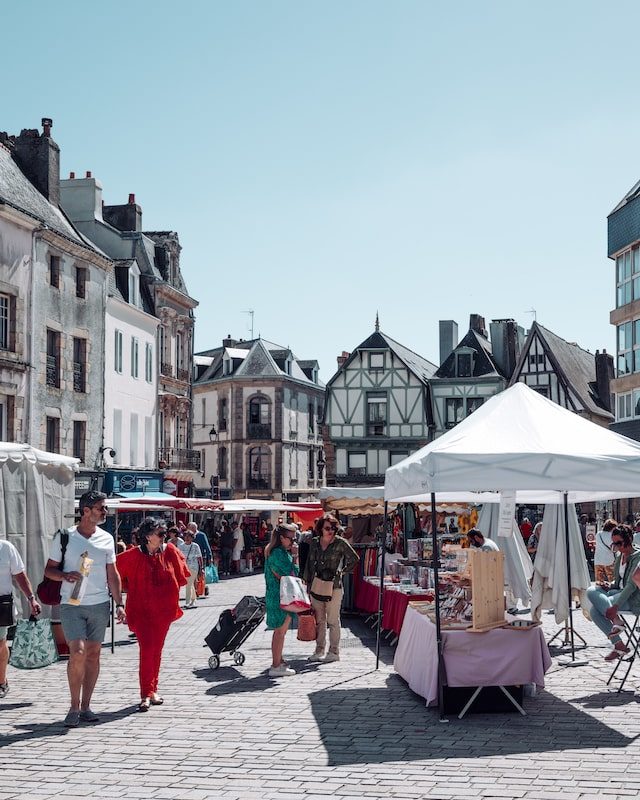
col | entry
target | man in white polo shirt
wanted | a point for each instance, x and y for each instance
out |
(11, 567)
(84, 620)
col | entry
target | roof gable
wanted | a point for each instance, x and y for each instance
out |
(483, 363)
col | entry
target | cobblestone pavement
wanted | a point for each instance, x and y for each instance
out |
(338, 730)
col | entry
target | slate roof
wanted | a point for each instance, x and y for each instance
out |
(16, 190)
(576, 366)
(259, 361)
(421, 367)
(483, 364)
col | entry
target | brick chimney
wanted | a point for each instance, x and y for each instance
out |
(476, 323)
(126, 217)
(229, 342)
(342, 358)
(604, 376)
(38, 157)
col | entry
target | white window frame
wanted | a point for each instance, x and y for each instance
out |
(148, 362)
(135, 350)
(118, 345)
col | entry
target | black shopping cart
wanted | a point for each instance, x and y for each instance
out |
(235, 626)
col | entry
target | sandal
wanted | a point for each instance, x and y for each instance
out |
(145, 703)
(156, 700)
(616, 630)
(613, 655)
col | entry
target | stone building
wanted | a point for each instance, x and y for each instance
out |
(151, 319)
(257, 412)
(52, 307)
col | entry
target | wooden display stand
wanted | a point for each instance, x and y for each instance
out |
(487, 581)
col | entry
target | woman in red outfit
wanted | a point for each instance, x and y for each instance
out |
(154, 572)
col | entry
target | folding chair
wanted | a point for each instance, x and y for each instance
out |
(632, 633)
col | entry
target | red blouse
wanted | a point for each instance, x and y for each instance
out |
(153, 583)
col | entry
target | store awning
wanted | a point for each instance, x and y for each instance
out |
(149, 497)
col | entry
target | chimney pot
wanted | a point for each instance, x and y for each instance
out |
(47, 124)
(72, 175)
(88, 175)
(132, 199)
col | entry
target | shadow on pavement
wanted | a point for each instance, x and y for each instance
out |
(367, 638)
(360, 726)
(41, 730)
(608, 699)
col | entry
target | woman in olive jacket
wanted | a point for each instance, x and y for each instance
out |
(607, 600)
(330, 556)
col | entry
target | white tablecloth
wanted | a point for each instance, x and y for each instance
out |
(499, 657)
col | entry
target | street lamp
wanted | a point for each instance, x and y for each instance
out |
(213, 434)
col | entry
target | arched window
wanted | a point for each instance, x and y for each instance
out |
(259, 418)
(259, 464)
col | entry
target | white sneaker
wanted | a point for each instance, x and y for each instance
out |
(316, 657)
(331, 657)
(281, 671)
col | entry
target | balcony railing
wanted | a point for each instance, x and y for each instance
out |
(79, 377)
(166, 369)
(174, 458)
(53, 371)
(258, 430)
(258, 483)
(183, 374)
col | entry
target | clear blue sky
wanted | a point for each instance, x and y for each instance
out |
(321, 161)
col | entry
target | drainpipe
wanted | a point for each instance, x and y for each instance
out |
(27, 433)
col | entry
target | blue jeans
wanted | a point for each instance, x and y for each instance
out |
(601, 600)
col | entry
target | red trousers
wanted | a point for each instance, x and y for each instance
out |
(151, 641)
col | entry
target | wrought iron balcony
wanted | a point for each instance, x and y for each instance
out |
(258, 430)
(174, 458)
(79, 377)
(263, 483)
(53, 371)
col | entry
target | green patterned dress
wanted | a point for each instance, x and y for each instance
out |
(280, 562)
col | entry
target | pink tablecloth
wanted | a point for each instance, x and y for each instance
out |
(499, 657)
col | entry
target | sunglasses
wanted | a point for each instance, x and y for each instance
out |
(99, 508)
(617, 542)
(329, 528)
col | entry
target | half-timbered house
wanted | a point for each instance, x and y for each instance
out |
(378, 410)
(567, 374)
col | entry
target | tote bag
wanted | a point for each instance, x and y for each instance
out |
(211, 574)
(293, 595)
(33, 644)
(307, 627)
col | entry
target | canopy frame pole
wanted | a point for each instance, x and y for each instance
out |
(436, 581)
(568, 552)
(381, 559)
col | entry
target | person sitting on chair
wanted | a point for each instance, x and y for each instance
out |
(609, 599)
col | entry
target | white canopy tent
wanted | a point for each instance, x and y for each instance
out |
(519, 440)
(37, 491)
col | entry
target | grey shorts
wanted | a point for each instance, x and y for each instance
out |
(84, 622)
(3, 632)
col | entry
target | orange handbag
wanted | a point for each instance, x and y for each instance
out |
(200, 585)
(307, 627)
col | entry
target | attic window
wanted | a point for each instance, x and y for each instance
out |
(464, 365)
(376, 360)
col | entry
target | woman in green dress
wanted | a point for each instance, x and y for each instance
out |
(281, 556)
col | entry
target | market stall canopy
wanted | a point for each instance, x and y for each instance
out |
(24, 452)
(521, 440)
(369, 500)
(256, 504)
(173, 502)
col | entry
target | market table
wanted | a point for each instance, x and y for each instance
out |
(499, 657)
(394, 602)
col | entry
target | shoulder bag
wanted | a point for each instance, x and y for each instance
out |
(6, 610)
(48, 590)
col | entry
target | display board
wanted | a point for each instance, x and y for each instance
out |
(487, 580)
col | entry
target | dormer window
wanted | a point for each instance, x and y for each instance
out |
(134, 285)
(464, 363)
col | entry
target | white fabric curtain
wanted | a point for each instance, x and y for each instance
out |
(518, 568)
(550, 567)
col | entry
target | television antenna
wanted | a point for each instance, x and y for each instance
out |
(250, 312)
(534, 312)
